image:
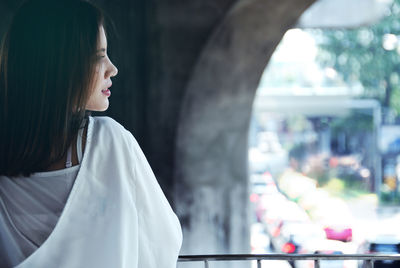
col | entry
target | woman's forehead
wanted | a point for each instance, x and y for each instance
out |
(102, 38)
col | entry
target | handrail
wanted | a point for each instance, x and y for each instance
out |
(368, 258)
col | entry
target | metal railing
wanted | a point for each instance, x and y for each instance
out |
(369, 259)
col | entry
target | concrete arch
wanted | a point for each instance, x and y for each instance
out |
(211, 192)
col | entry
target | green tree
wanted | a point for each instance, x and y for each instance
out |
(370, 55)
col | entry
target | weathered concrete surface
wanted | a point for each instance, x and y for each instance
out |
(211, 154)
(177, 31)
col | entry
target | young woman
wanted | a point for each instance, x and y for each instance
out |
(75, 190)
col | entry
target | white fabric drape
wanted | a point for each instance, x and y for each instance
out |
(116, 214)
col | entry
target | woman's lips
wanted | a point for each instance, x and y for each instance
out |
(106, 92)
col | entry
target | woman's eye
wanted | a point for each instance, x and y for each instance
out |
(100, 56)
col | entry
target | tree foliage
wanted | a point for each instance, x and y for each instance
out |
(370, 55)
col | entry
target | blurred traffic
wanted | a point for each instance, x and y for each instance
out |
(294, 213)
(324, 144)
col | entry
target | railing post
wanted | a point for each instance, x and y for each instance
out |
(369, 263)
(206, 264)
(316, 263)
(258, 263)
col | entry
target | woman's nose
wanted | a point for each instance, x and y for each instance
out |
(112, 70)
(115, 70)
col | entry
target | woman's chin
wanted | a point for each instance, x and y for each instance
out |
(98, 107)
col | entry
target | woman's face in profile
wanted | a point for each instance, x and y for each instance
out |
(100, 92)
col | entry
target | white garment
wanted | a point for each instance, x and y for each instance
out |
(116, 214)
(27, 221)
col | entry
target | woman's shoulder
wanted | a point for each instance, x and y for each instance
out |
(105, 121)
(105, 126)
(110, 134)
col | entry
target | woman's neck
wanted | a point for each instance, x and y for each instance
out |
(74, 154)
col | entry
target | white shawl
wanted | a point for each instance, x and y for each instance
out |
(116, 214)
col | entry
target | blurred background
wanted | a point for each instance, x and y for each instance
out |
(324, 143)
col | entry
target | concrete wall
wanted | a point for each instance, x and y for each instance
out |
(211, 145)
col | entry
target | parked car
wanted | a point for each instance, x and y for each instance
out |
(381, 244)
(294, 235)
(342, 233)
(280, 214)
(263, 184)
(337, 219)
(309, 238)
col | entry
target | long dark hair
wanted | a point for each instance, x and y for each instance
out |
(47, 61)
